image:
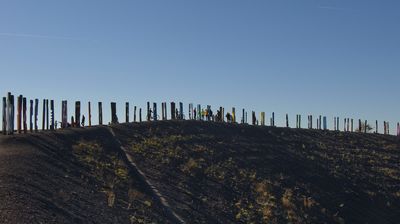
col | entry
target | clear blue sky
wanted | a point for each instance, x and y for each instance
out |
(330, 57)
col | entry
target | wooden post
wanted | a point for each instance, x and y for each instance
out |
(24, 108)
(140, 114)
(100, 104)
(10, 114)
(30, 115)
(352, 125)
(398, 129)
(190, 111)
(154, 111)
(36, 114)
(64, 118)
(359, 125)
(19, 114)
(325, 123)
(47, 115)
(234, 115)
(127, 112)
(376, 126)
(44, 115)
(77, 113)
(365, 126)
(114, 118)
(4, 115)
(72, 121)
(243, 114)
(134, 114)
(180, 111)
(90, 114)
(148, 111)
(173, 111)
(344, 125)
(287, 120)
(388, 128)
(273, 119)
(52, 115)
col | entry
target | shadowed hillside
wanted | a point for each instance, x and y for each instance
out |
(206, 172)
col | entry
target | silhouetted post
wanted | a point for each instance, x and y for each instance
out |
(338, 124)
(359, 125)
(148, 111)
(114, 118)
(334, 123)
(36, 114)
(19, 110)
(234, 115)
(100, 105)
(44, 115)
(47, 115)
(162, 111)
(72, 121)
(262, 118)
(253, 115)
(64, 116)
(273, 119)
(126, 112)
(10, 114)
(154, 111)
(352, 125)
(52, 114)
(320, 122)
(243, 114)
(24, 108)
(190, 111)
(4, 115)
(376, 126)
(134, 114)
(90, 113)
(325, 123)
(140, 114)
(287, 120)
(30, 115)
(365, 126)
(398, 129)
(388, 128)
(173, 109)
(344, 124)
(180, 110)
(77, 113)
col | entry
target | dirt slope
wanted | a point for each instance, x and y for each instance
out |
(207, 172)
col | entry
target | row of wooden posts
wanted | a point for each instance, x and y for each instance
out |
(176, 113)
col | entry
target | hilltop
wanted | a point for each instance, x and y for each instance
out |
(199, 172)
